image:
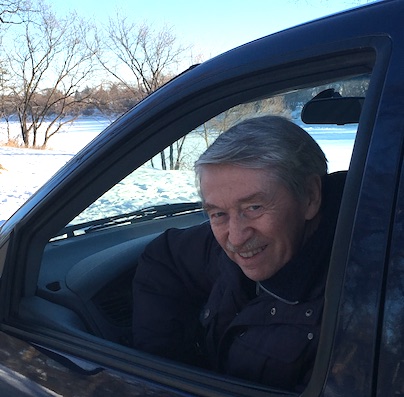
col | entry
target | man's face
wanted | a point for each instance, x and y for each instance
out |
(258, 222)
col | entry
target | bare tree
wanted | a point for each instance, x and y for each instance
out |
(51, 59)
(143, 59)
(11, 11)
(111, 99)
(6, 101)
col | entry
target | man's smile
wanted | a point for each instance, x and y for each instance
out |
(250, 254)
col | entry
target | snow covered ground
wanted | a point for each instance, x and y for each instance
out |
(25, 170)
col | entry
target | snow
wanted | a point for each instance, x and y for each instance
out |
(26, 170)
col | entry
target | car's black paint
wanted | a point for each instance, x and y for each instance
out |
(50, 325)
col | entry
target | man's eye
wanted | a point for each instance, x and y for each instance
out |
(217, 218)
(253, 208)
(253, 211)
(216, 215)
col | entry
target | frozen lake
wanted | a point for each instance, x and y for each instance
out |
(26, 170)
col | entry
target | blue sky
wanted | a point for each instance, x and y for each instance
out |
(211, 26)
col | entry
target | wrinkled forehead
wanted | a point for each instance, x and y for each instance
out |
(225, 181)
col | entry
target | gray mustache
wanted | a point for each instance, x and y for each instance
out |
(250, 245)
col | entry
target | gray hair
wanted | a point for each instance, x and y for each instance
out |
(272, 143)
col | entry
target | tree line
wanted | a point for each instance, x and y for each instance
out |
(54, 68)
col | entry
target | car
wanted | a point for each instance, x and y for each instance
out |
(68, 255)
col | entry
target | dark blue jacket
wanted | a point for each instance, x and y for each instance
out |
(193, 304)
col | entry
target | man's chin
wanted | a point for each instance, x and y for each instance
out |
(252, 272)
(256, 272)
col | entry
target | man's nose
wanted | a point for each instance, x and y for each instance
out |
(239, 230)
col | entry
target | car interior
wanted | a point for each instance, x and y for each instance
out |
(85, 279)
(84, 287)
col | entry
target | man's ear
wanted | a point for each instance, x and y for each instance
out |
(313, 200)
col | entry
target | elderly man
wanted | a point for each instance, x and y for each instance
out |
(243, 293)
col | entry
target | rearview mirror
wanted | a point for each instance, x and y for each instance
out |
(337, 110)
(329, 107)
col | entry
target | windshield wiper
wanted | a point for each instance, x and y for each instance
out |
(147, 213)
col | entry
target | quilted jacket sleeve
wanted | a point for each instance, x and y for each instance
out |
(173, 281)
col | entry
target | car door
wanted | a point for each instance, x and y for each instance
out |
(44, 329)
(391, 363)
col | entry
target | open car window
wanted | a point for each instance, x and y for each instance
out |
(168, 178)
